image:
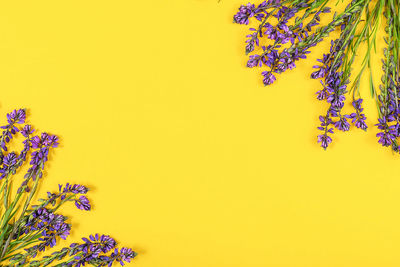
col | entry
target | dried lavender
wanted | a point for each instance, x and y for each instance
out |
(26, 229)
(288, 29)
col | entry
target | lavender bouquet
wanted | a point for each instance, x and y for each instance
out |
(26, 229)
(285, 32)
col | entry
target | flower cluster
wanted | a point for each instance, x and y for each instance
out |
(389, 108)
(274, 56)
(94, 251)
(358, 118)
(334, 80)
(69, 192)
(9, 130)
(41, 145)
(97, 250)
(288, 29)
(250, 10)
(27, 230)
(50, 225)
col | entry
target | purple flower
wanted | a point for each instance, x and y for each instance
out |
(76, 188)
(68, 192)
(49, 224)
(52, 141)
(36, 142)
(252, 41)
(358, 118)
(250, 10)
(325, 140)
(92, 252)
(9, 164)
(285, 62)
(342, 124)
(269, 78)
(10, 159)
(83, 203)
(39, 225)
(360, 122)
(16, 116)
(104, 243)
(127, 254)
(245, 12)
(388, 133)
(322, 94)
(385, 138)
(39, 157)
(319, 73)
(337, 101)
(271, 55)
(27, 131)
(254, 61)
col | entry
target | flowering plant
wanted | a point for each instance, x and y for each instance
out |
(26, 230)
(287, 29)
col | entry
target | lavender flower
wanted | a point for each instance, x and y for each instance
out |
(334, 79)
(49, 225)
(388, 133)
(9, 162)
(93, 251)
(82, 203)
(334, 70)
(75, 188)
(42, 147)
(322, 70)
(97, 243)
(245, 12)
(388, 100)
(254, 61)
(250, 10)
(358, 118)
(13, 118)
(342, 124)
(27, 131)
(324, 138)
(16, 116)
(269, 78)
(69, 192)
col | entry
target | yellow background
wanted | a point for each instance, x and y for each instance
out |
(192, 161)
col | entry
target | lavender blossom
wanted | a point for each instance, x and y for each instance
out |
(50, 225)
(9, 162)
(41, 146)
(269, 78)
(13, 118)
(324, 138)
(69, 192)
(388, 134)
(83, 203)
(93, 251)
(16, 116)
(245, 12)
(342, 124)
(358, 118)
(250, 10)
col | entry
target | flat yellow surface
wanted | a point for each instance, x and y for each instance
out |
(192, 162)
